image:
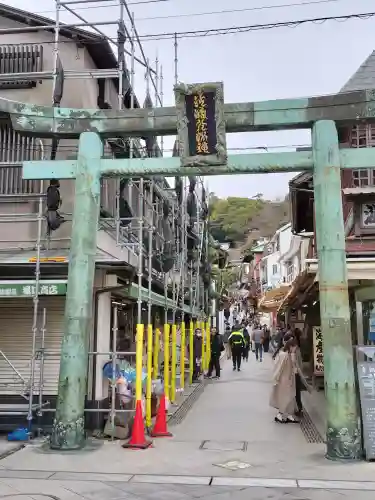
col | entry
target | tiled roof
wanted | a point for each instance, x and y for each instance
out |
(364, 77)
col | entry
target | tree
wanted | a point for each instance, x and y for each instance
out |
(230, 217)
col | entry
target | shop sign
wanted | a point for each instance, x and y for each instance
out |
(27, 288)
(318, 350)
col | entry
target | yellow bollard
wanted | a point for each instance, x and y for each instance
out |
(191, 352)
(156, 353)
(166, 360)
(173, 362)
(182, 357)
(139, 362)
(149, 376)
(208, 344)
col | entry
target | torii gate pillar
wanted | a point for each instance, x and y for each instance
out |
(68, 431)
(343, 428)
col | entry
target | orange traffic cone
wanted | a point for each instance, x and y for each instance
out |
(138, 440)
(160, 427)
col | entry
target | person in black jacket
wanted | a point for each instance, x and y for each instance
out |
(197, 354)
(217, 347)
(237, 343)
(246, 336)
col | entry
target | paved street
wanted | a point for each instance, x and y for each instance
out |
(228, 446)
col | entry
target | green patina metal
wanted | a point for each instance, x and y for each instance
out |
(343, 426)
(321, 113)
(239, 117)
(68, 428)
(237, 164)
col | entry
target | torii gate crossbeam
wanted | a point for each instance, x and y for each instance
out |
(326, 160)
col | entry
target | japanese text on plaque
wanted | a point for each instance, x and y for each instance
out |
(200, 115)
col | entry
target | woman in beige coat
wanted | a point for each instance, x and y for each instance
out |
(283, 395)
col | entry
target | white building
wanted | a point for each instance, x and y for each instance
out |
(273, 267)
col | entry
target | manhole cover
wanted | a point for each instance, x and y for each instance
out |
(234, 465)
(224, 445)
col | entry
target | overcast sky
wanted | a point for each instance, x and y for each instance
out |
(311, 59)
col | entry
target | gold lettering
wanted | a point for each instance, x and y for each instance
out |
(200, 115)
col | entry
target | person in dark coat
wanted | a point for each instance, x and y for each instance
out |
(267, 336)
(217, 347)
(246, 336)
(197, 354)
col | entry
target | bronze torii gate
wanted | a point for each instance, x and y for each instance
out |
(201, 120)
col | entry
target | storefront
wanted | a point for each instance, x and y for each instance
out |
(30, 344)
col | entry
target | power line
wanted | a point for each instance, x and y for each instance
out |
(253, 27)
(234, 11)
(108, 5)
(195, 14)
(222, 31)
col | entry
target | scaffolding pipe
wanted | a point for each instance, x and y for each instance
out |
(72, 2)
(56, 50)
(28, 29)
(174, 268)
(140, 254)
(161, 104)
(13, 367)
(114, 363)
(136, 37)
(132, 78)
(41, 364)
(35, 311)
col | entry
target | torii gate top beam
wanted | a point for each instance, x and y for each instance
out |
(281, 114)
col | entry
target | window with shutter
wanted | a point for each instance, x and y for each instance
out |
(15, 148)
(18, 59)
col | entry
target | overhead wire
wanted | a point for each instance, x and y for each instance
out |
(225, 31)
(194, 14)
(254, 27)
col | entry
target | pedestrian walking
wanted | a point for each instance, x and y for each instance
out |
(267, 336)
(226, 335)
(197, 354)
(237, 343)
(300, 381)
(283, 395)
(247, 340)
(217, 347)
(258, 338)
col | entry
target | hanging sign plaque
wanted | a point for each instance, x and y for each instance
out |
(200, 124)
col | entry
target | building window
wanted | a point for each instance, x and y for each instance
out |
(363, 136)
(15, 148)
(274, 269)
(20, 59)
(363, 177)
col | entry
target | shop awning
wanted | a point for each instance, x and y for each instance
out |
(301, 285)
(272, 299)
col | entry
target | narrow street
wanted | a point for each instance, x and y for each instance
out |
(230, 422)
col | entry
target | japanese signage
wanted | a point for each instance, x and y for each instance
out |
(27, 288)
(366, 380)
(318, 350)
(201, 124)
(200, 112)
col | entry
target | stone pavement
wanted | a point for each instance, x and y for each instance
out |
(228, 446)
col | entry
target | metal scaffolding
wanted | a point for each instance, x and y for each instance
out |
(162, 228)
